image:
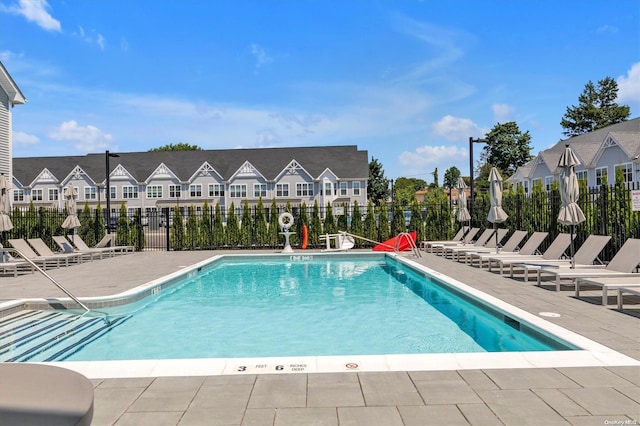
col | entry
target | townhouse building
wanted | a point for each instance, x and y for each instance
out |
(602, 154)
(335, 175)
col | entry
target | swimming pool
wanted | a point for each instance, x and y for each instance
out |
(285, 306)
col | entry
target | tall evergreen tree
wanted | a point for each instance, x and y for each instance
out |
(357, 227)
(596, 109)
(177, 229)
(302, 219)
(415, 223)
(370, 230)
(260, 236)
(274, 227)
(398, 224)
(342, 223)
(98, 224)
(192, 231)
(206, 226)
(329, 226)
(383, 223)
(86, 226)
(232, 230)
(246, 226)
(378, 186)
(315, 228)
(123, 237)
(217, 235)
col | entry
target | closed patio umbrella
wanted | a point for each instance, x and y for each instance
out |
(71, 221)
(5, 220)
(570, 213)
(496, 213)
(463, 212)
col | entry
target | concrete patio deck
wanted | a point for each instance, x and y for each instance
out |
(537, 396)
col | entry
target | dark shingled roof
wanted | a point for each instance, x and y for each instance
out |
(346, 162)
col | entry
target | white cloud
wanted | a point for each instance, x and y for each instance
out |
(502, 113)
(260, 55)
(92, 37)
(24, 139)
(606, 29)
(426, 158)
(457, 129)
(629, 86)
(85, 139)
(35, 11)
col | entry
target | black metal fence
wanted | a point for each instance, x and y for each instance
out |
(608, 211)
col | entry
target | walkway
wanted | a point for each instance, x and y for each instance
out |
(545, 396)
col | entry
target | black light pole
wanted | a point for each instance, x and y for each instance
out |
(471, 196)
(108, 189)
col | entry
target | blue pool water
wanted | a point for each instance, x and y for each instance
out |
(324, 306)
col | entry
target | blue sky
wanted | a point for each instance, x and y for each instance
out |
(409, 81)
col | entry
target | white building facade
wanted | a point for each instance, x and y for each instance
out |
(602, 153)
(10, 95)
(334, 175)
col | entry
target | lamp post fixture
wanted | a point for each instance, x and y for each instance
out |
(107, 191)
(471, 196)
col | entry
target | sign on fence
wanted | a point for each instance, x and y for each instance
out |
(635, 201)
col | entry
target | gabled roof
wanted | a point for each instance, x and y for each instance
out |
(346, 161)
(8, 85)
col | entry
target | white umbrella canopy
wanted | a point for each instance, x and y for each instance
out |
(71, 221)
(5, 207)
(496, 213)
(570, 213)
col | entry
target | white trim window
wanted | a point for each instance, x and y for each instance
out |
(18, 195)
(175, 191)
(356, 188)
(238, 191)
(582, 176)
(114, 193)
(328, 189)
(627, 171)
(36, 195)
(536, 182)
(216, 190)
(525, 185)
(282, 190)
(154, 191)
(259, 190)
(53, 194)
(90, 193)
(548, 181)
(130, 192)
(304, 189)
(195, 191)
(601, 176)
(344, 189)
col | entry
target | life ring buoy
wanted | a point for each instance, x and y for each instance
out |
(285, 220)
(305, 237)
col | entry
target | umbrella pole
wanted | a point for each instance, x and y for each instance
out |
(495, 231)
(573, 261)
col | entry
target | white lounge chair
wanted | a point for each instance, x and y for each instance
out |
(342, 241)
(529, 248)
(437, 247)
(67, 247)
(104, 246)
(24, 250)
(9, 264)
(607, 283)
(583, 258)
(626, 290)
(509, 247)
(623, 264)
(425, 245)
(43, 250)
(554, 251)
(448, 249)
(460, 253)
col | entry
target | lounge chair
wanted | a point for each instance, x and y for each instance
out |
(9, 264)
(24, 250)
(424, 245)
(607, 283)
(553, 252)
(109, 241)
(342, 241)
(529, 248)
(437, 247)
(622, 264)
(459, 253)
(583, 258)
(626, 290)
(104, 246)
(43, 250)
(509, 247)
(67, 247)
(479, 242)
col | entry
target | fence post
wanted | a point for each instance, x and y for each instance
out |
(165, 213)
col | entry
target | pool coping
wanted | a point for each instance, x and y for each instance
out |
(591, 354)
